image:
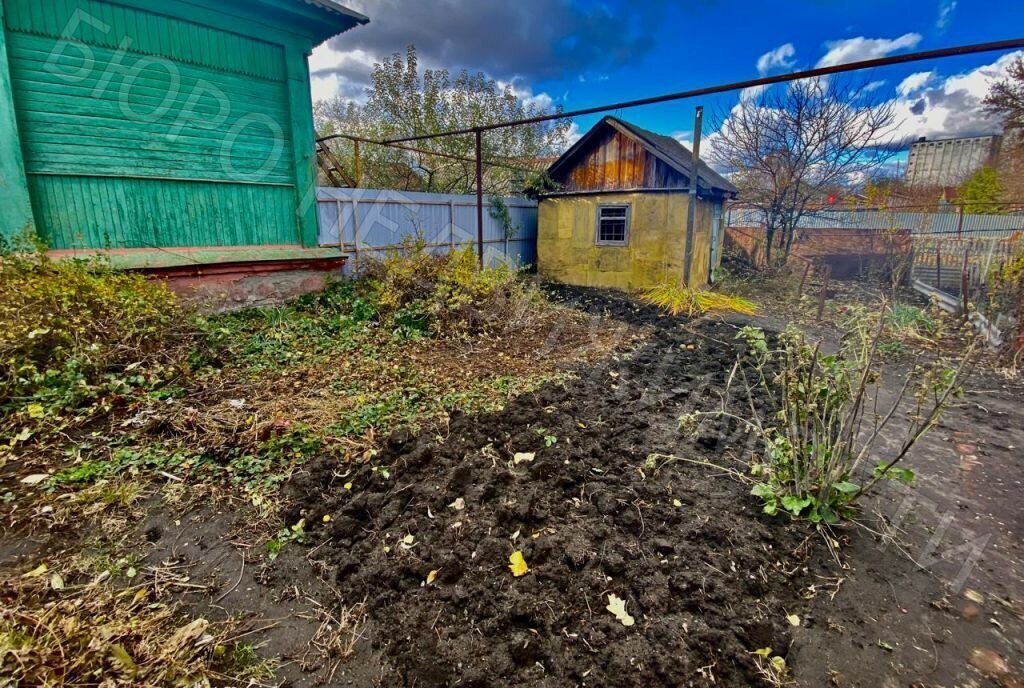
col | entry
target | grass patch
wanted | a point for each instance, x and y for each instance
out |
(679, 300)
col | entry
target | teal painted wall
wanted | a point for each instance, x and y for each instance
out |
(187, 127)
(15, 209)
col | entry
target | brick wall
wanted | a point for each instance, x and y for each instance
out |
(850, 252)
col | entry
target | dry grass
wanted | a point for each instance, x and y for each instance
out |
(679, 300)
(56, 633)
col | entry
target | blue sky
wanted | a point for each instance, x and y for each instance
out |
(578, 53)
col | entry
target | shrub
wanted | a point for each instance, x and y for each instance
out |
(677, 299)
(828, 416)
(421, 293)
(74, 331)
(1006, 297)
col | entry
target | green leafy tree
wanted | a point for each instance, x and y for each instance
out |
(406, 101)
(981, 193)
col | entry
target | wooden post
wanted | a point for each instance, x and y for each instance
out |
(691, 206)
(803, 279)
(355, 228)
(960, 224)
(824, 291)
(965, 285)
(938, 268)
(480, 197)
(359, 164)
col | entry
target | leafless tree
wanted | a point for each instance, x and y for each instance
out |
(787, 146)
(1006, 99)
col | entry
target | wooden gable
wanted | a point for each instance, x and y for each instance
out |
(613, 161)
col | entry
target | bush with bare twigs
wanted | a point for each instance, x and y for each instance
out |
(815, 444)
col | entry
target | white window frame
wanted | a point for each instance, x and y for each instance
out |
(597, 230)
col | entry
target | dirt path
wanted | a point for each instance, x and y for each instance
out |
(957, 617)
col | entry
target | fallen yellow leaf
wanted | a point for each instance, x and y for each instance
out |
(617, 606)
(517, 564)
(37, 571)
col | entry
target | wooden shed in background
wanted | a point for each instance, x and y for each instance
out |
(163, 132)
(619, 217)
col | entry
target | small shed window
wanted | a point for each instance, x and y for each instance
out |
(612, 225)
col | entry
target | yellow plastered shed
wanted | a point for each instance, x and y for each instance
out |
(619, 216)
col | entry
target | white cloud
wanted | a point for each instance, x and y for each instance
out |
(873, 86)
(914, 82)
(573, 135)
(951, 106)
(861, 48)
(779, 58)
(752, 92)
(327, 68)
(946, 8)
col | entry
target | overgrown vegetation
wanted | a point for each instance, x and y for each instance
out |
(677, 300)
(1006, 298)
(77, 338)
(241, 399)
(813, 445)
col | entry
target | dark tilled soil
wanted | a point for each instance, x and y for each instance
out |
(707, 577)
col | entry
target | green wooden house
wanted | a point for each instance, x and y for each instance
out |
(162, 132)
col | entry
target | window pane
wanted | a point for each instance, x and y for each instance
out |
(613, 230)
(613, 224)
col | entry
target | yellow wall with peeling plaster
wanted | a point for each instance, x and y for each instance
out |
(567, 251)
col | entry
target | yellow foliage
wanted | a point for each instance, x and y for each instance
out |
(517, 564)
(677, 300)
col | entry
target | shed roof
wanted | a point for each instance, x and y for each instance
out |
(666, 148)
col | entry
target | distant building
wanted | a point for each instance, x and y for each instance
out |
(949, 162)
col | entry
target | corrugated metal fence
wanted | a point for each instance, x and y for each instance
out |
(945, 223)
(369, 221)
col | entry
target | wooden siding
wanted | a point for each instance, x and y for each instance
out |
(616, 162)
(189, 136)
(105, 212)
(151, 34)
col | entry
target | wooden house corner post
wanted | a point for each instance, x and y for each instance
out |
(691, 206)
(15, 204)
(304, 142)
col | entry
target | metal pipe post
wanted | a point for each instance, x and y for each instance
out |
(480, 196)
(691, 206)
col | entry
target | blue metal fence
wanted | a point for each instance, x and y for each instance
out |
(369, 221)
